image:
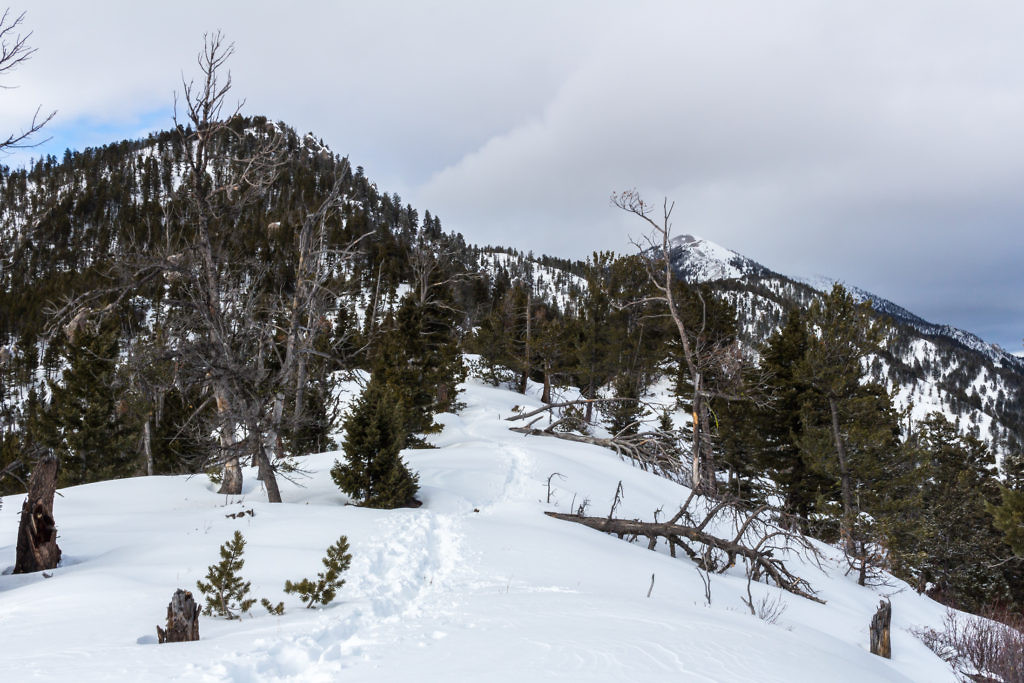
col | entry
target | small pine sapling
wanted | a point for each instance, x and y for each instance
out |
(323, 590)
(224, 589)
(277, 609)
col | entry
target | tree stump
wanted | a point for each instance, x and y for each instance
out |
(182, 619)
(37, 533)
(880, 628)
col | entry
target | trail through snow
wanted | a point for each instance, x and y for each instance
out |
(476, 585)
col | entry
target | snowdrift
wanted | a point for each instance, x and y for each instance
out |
(476, 585)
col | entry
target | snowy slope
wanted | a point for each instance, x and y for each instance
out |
(477, 585)
(699, 260)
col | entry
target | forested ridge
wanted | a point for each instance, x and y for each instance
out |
(98, 368)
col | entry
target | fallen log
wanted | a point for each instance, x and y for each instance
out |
(761, 560)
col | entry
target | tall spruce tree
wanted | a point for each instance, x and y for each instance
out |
(419, 356)
(86, 421)
(374, 473)
(948, 541)
(763, 438)
(849, 429)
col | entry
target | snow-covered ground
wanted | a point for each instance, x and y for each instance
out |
(476, 585)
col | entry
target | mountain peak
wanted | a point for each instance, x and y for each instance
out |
(699, 260)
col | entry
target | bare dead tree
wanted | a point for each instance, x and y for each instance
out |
(214, 293)
(702, 357)
(216, 188)
(15, 51)
(304, 311)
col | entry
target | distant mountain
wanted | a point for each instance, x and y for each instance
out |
(932, 367)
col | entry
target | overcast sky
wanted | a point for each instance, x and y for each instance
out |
(880, 143)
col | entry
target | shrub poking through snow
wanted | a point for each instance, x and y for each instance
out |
(224, 589)
(989, 647)
(323, 590)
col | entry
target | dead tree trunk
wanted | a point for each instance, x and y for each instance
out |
(880, 629)
(37, 534)
(182, 619)
(231, 482)
(147, 448)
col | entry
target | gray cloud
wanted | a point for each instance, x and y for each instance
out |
(877, 142)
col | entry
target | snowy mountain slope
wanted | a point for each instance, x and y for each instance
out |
(933, 368)
(699, 260)
(476, 585)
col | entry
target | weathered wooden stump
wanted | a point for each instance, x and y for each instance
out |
(182, 619)
(37, 533)
(879, 630)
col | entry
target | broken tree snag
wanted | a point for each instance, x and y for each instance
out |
(231, 484)
(37, 533)
(880, 629)
(182, 619)
(759, 555)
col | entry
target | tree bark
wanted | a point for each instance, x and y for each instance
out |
(880, 629)
(147, 447)
(37, 547)
(268, 476)
(182, 619)
(546, 395)
(846, 529)
(231, 483)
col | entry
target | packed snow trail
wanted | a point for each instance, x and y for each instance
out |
(475, 585)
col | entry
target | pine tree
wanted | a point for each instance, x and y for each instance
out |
(419, 356)
(1009, 518)
(849, 430)
(224, 589)
(323, 590)
(623, 417)
(86, 422)
(374, 473)
(950, 542)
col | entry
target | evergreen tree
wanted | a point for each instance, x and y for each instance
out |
(87, 420)
(597, 350)
(374, 473)
(226, 593)
(1008, 517)
(948, 541)
(623, 417)
(849, 430)
(325, 588)
(419, 356)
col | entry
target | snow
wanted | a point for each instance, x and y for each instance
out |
(475, 585)
(705, 261)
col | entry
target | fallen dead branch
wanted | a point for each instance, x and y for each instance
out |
(755, 542)
(656, 451)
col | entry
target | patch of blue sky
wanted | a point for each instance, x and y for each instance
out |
(79, 134)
